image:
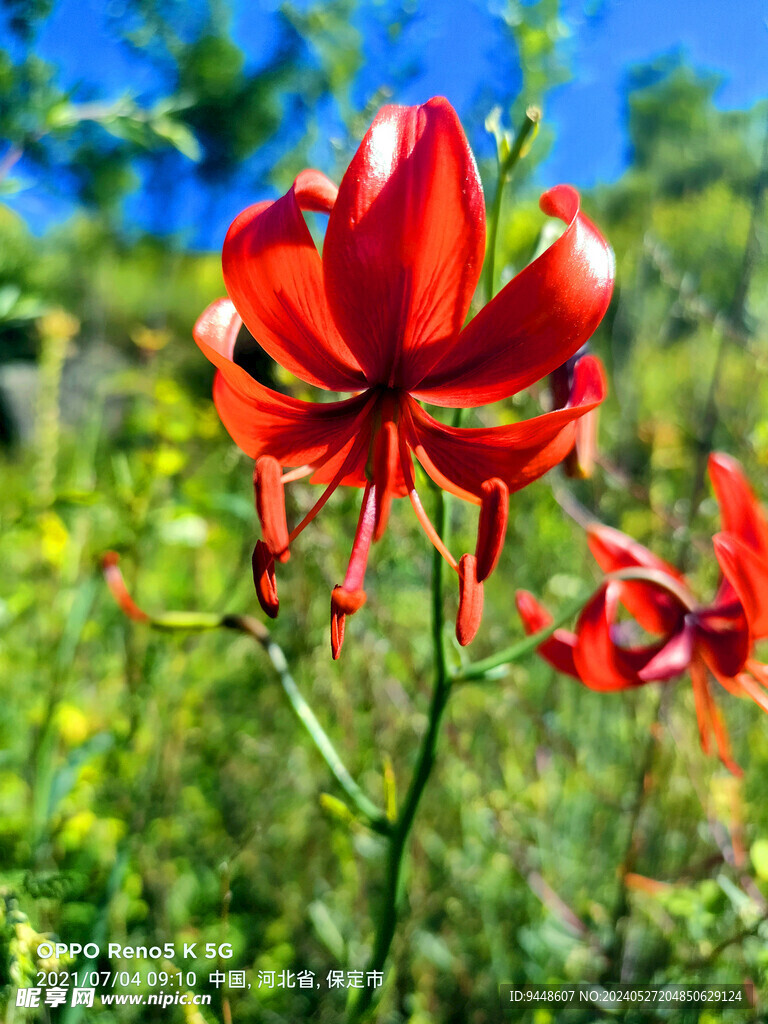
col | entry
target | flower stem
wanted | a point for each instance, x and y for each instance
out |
(506, 166)
(401, 829)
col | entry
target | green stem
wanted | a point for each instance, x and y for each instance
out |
(398, 840)
(506, 166)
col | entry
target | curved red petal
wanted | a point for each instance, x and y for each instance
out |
(723, 638)
(293, 432)
(746, 681)
(709, 719)
(536, 322)
(673, 658)
(460, 460)
(747, 572)
(655, 609)
(314, 191)
(614, 550)
(262, 421)
(405, 240)
(739, 508)
(274, 276)
(556, 649)
(354, 474)
(215, 333)
(600, 662)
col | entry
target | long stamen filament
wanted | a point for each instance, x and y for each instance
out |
(297, 474)
(424, 520)
(353, 454)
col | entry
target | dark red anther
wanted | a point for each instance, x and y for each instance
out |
(386, 458)
(470, 601)
(338, 625)
(492, 528)
(264, 579)
(270, 506)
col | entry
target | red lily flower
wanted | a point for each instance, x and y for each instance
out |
(715, 638)
(380, 314)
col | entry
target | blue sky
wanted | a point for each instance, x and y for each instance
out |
(726, 36)
(456, 44)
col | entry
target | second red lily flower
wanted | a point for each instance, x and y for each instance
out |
(715, 638)
(380, 314)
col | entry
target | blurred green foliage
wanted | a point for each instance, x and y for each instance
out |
(158, 788)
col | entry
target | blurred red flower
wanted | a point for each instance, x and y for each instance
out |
(380, 314)
(716, 638)
(742, 546)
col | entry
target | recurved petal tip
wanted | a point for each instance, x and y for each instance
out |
(264, 579)
(561, 201)
(534, 616)
(470, 601)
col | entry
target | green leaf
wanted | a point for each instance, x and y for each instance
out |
(179, 136)
(327, 931)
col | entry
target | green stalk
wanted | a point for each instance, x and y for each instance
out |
(506, 166)
(385, 926)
